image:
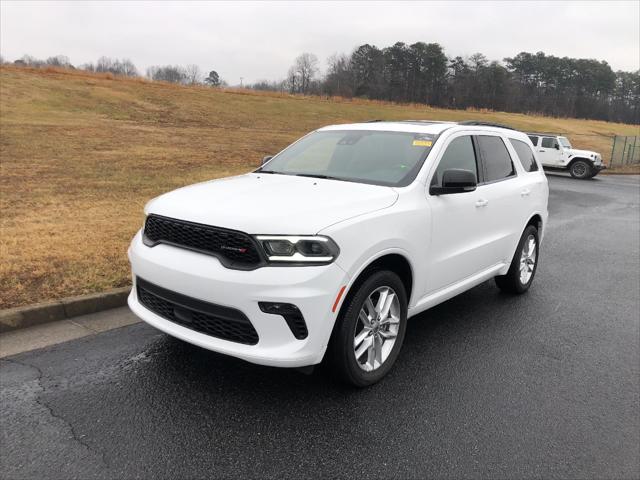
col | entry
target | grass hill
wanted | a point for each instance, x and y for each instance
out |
(81, 153)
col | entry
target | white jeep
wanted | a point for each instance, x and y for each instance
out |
(556, 153)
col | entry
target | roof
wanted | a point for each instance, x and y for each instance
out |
(399, 126)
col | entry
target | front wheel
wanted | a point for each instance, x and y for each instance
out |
(370, 330)
(523, 265)
(580, 169)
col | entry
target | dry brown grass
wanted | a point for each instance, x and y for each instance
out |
(80, 154)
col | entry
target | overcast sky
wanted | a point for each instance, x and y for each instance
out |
(259, 40)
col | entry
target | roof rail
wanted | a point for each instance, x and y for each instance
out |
(374, 121)
(548, 134)
(485, 124)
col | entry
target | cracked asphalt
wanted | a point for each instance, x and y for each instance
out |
(545, 385)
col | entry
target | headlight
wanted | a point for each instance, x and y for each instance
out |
(298, 249)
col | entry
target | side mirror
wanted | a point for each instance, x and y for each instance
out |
(266, 159)
(455, 180)
(556, 146)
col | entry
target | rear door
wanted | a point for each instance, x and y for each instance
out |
(507, 196)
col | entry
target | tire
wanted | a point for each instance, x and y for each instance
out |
(580, 169)
(514, 281)
(350, 327)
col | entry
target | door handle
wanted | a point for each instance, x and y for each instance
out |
(525, 192)
(482, 203)
(541, 151)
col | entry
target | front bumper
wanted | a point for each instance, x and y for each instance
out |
(313, 289)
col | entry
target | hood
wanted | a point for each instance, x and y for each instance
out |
(272, 204)
(581, 153)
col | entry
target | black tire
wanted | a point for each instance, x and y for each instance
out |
(581, 169)
(340, 354)
(511, 282)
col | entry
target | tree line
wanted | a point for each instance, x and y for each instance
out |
(187, 75)
(422, 73)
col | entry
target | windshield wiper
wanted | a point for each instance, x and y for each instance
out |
(316, 175)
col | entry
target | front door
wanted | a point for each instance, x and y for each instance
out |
(461, 237)
(548, 154)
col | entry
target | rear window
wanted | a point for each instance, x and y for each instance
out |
(548, 142)
(496, 158)
(525, 155)
(534, 140)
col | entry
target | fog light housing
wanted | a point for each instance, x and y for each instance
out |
(291, 314)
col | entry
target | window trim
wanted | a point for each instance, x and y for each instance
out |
(436, 164)
(482, 160)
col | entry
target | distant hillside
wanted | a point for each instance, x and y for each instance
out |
(81, 154)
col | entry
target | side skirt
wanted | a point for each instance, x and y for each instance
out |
(452, 290)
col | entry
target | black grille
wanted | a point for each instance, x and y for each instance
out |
(233, 249)
(208, 318)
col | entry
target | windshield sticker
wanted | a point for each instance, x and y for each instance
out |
(422, 143)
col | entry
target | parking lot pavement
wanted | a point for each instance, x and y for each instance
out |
(543, 385)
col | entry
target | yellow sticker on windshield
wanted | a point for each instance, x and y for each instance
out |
(422, 143)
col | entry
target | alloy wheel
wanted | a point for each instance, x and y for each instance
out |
(528, 259)
(377, 328)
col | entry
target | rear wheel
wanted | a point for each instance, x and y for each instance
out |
(581, 169)
(523, 265)
(369, 333)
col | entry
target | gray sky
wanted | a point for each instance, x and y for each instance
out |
(259, 40)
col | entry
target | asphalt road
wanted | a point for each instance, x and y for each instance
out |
(544, 385)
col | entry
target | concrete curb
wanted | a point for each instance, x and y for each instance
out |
(21, 317)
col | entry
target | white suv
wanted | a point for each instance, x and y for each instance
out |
(556, 153)
(328, 248)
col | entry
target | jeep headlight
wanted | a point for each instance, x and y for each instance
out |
(292, 249)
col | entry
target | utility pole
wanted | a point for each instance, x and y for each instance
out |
(241, 81)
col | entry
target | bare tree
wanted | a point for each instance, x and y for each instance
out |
(59, 61)
(193, 76)
(29, 61)
(124, 67)
(167, 73)
(305, 68)
(292, 80)
(127, 68)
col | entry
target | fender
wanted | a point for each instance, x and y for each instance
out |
(573, 159)
(544, 220)
(353, 277)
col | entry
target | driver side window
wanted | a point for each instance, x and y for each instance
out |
(548, 142)
(459, 154)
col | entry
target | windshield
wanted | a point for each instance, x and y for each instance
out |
(365, 156)
(564, 142)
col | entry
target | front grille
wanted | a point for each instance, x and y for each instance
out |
(234, 249)
(203, 317)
